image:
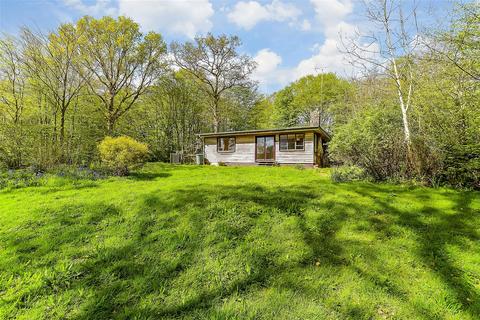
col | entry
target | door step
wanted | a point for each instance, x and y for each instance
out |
(265, 163)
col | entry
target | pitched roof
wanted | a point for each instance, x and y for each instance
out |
(265, 131)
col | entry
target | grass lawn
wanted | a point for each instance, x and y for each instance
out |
(195, 242)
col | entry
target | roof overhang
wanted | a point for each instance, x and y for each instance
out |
(316, 129)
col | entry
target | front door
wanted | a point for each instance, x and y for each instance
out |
(265, 149)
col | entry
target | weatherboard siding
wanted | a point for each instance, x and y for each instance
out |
(295, 156)
(245, 151)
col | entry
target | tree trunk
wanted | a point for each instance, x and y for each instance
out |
(215, 115)
(62, 127)
(110, 125)
(406, 132)
(404, 108)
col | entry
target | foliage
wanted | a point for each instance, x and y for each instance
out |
(63, 91)
(217, 64)
(169, 117)
(121, 153)
(462, 166)
(122, 60)
(348, 174)
(372, 140)
(310, 100)
(204, 242)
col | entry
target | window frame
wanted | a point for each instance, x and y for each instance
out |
(227, 151)
(295, 145)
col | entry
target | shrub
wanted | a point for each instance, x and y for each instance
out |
(121, 153)
(372, 140)
(462, 166)
(348, 173)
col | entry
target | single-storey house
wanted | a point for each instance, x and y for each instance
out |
(283, 146)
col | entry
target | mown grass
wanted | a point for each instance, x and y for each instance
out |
(196, 242)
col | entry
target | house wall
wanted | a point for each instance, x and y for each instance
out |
(295, 156)
(245, 151)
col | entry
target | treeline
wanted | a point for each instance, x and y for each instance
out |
(414, 112)
(63, 92)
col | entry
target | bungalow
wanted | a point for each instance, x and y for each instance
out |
(285, 146)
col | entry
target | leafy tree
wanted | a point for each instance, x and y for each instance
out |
(13, 86)
(169, 116)
(238, 107)
(460, 44)
(310, 100)
(389, 50)
(122, 61)
(262, 114)
(52, 63)
(12, 79)
(217, 64)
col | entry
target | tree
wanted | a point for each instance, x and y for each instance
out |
(310, 100)
(13, 84)
(238, 108)
(124, 63)
(52, 63)
(217, 64)
(389, 51)
(460, 44)
(12, 78)
(261, 115)
(169, 116)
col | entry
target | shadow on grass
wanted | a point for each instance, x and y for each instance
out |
(158, 265)
(147, 176)
(435, 231)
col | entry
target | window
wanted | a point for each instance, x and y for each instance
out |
(295, 141)
(226, 144)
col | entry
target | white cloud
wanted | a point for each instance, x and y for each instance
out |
(306, 25)
(331, 16)
(99, 7)
(178, 17)
(269, 72)
(186, 17)
(330, 12)
(267, 62)
(247, 14)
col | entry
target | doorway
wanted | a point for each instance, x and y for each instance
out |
(265, 149)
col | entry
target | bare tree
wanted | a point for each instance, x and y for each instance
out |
(12, 78)
(217, 64)
(52, 62)
(389, 50)
(123, 62)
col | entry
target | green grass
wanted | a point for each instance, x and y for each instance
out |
(196, 242)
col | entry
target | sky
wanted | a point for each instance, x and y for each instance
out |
(287, 38)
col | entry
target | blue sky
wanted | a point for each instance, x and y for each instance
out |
(287, 38)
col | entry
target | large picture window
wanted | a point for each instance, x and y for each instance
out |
(294, 141)
(226, 144)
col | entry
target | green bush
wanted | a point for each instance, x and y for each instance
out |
(121, 153)
(348, 173)
(372, 140)
(462, 166)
